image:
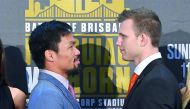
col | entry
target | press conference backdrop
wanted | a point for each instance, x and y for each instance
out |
(104, 77)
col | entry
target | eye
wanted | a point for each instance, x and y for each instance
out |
(71, 46)
(123, 37)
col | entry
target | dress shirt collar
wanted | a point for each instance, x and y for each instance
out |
(141, 66)
(59, 77)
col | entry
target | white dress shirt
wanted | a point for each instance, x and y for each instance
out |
(141, 66)
(59, 77)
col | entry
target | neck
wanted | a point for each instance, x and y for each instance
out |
(146, 53)
(62, 73)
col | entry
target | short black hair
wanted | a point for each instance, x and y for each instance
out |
(46, 37)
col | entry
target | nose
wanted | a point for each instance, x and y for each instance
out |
(118, 43)
(77, 52)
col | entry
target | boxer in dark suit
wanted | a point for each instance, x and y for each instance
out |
(155, 87)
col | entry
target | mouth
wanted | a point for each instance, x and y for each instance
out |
(77, 61)
(121, 51)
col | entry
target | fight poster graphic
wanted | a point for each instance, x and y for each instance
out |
(175, 49)
(104, 77)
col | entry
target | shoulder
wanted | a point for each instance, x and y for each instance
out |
(160, 71)
(19, 97)
(45, 86)
(45, 89)
(46, 98)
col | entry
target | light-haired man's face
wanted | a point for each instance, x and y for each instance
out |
(127, 41)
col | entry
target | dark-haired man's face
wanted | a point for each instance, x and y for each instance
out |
(67, 57)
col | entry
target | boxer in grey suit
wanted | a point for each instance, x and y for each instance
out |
(53, 49)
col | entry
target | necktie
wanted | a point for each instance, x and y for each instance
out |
(71, 89)
(132, 81)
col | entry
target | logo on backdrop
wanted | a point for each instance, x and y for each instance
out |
(104, 78)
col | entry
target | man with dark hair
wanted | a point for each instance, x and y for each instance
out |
(53, 49)
(152, 85)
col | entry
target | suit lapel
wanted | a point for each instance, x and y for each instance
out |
(140, 78)
(59, 85)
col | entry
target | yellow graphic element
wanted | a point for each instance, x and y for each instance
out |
(27, 52)
(84, 9)
(88, 35)
(106, 81)
(101, 81)
(122, 79)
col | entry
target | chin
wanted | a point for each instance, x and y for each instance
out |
(75, 70)
(75, 66)
(124, 58)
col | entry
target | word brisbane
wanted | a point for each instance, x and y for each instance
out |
(83, 27)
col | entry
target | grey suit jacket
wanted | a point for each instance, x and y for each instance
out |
(49, 93)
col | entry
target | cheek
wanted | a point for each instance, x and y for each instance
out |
(65, 58)
(66, 61)
(124, 44)
(129, 46)
(68, 57)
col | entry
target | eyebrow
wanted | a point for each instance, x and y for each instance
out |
(123, 35)
(72, 42)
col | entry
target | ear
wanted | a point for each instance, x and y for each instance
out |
(144, 39)
(49, 55)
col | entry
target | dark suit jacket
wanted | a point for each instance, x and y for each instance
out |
(156, 88)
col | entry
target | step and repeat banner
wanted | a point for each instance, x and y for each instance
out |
(103, 79)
